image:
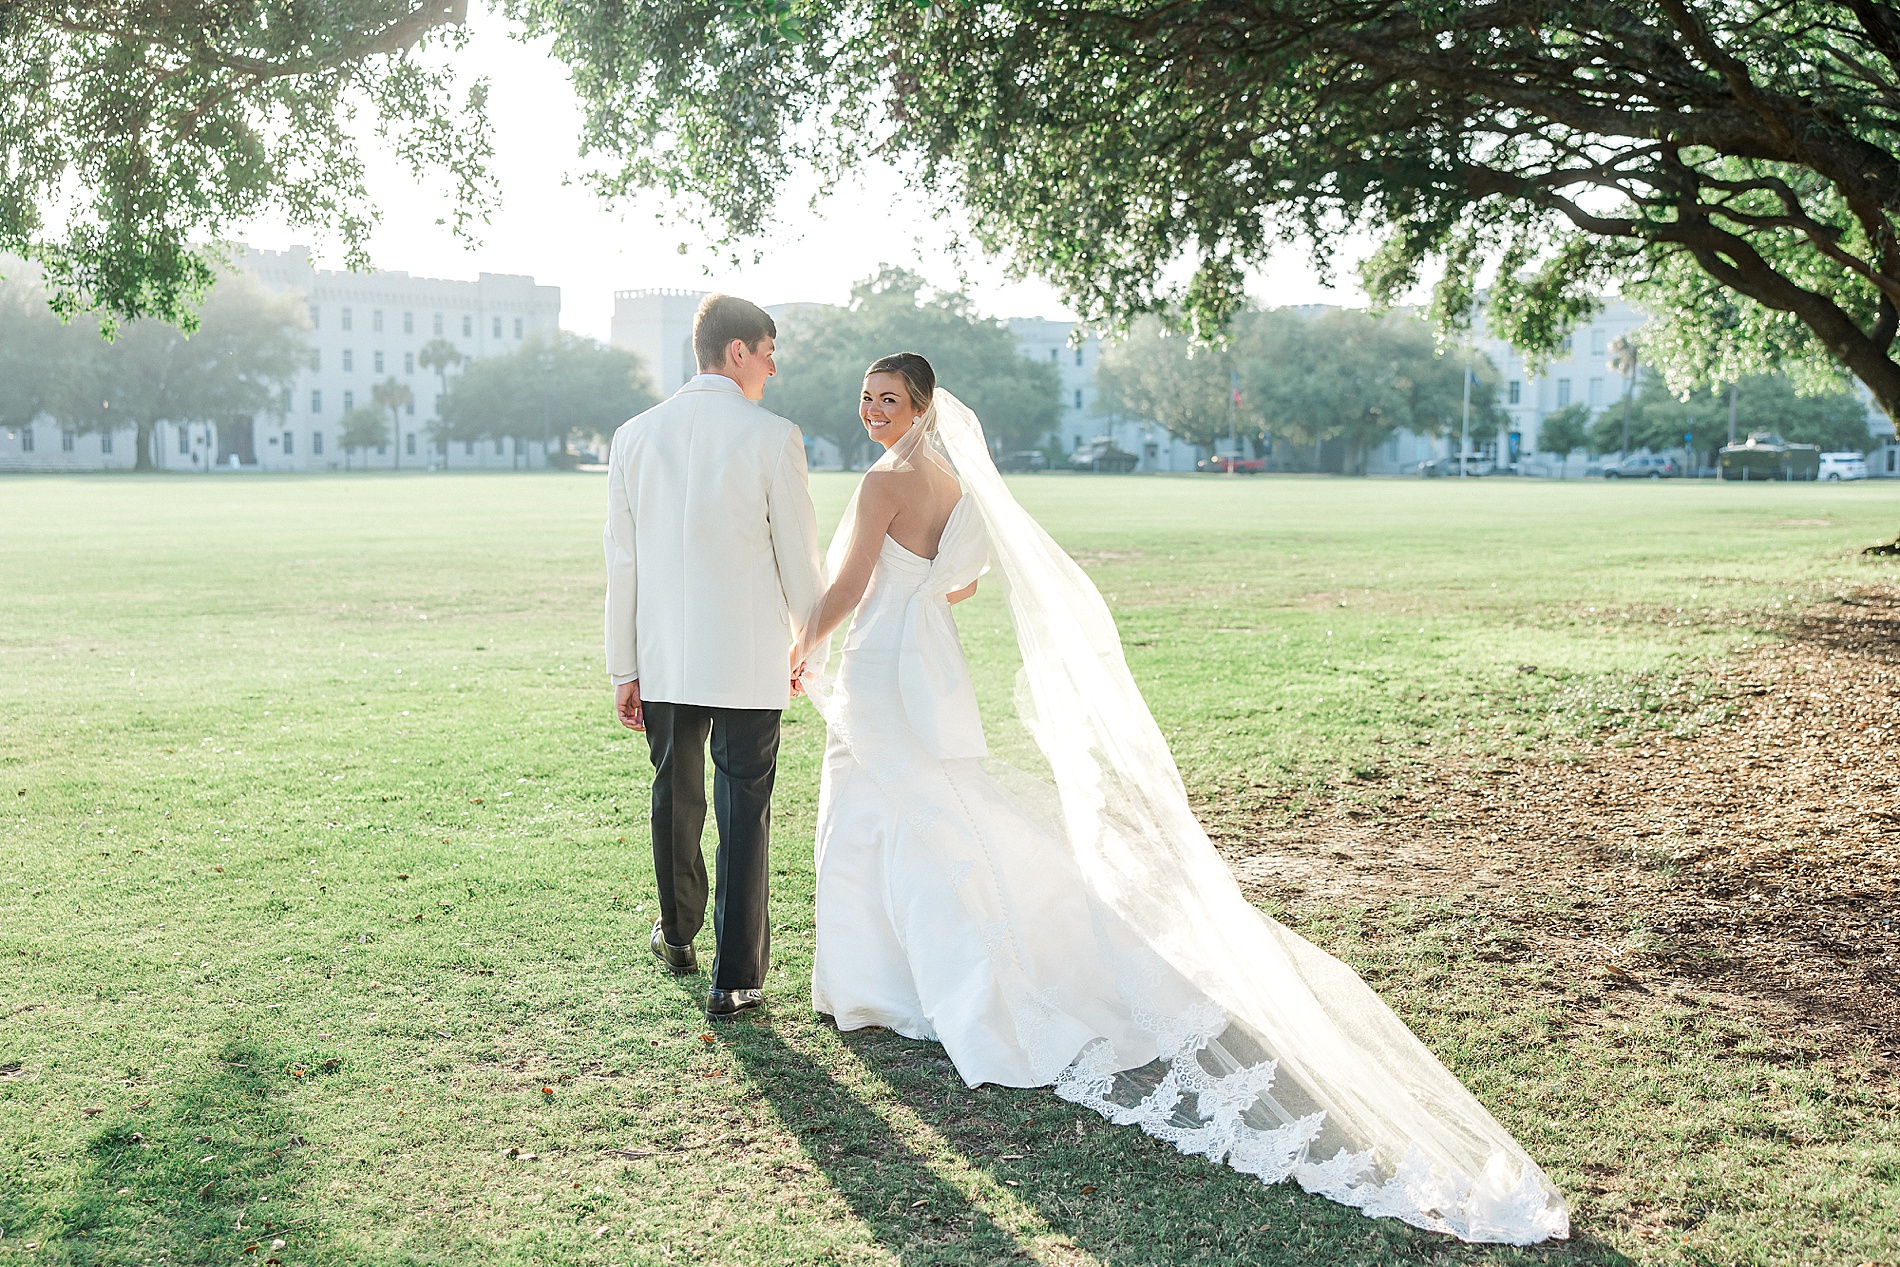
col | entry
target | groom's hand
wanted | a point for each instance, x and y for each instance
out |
(798, 674)
(627, 705)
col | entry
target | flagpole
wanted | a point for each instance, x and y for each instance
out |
(1464, 429)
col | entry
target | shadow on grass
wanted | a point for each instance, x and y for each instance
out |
(211, 1178)
(1115, 1194)
(889, 1186)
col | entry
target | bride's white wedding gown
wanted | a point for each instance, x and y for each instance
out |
(1085, 936)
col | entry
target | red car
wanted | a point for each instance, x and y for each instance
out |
(1229, 465)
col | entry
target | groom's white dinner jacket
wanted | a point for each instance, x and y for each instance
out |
(712, 549)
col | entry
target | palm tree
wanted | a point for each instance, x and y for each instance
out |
(441, 356)
(1625, 356)
(392, 395)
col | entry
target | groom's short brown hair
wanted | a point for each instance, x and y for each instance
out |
(723, 318)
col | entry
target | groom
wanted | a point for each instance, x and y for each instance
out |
(712, 553)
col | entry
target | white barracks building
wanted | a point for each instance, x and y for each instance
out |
(368, 327)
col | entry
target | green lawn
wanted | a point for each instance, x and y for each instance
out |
(324, 886)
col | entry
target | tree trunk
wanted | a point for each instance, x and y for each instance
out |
(148, 436)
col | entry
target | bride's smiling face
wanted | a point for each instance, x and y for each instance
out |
(886, 408)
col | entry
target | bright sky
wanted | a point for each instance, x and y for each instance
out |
(560, 234)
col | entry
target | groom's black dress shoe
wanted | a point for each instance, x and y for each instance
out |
(679, 960)
(724, 1004)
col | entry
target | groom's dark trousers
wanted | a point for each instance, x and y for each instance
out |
(745, 762)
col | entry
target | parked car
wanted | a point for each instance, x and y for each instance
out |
(1643, 466)
(1101, 455)
(1843, 466)
(1767, 456)
(1230, 464)
(1434, 468)
(1025, 460)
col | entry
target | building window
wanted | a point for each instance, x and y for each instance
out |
(379, 362)
(184, 442)
(410, 408)
(408, 362)
(1569, 342)
(1516, 392)
(65, 441)
(1078, 356)
(1596, 392)
(316, 402)
(468, 327)
(316, 444)
(517, 327)
(26, 439)
(382, 450)
(316, 360)
(349, 401)
(495, 326)
(409, 444)
(1053, 354)
(349, 360)
(498, 448)
(438, 325)
(1599, 342)
(315, 313)
(290, 444)
(343, 319)
(376, 320)
(1078, 398)
(408, 323)
(105, 442)
(1563, 392)
(468, 448)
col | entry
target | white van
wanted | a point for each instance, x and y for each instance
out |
(1843, 466)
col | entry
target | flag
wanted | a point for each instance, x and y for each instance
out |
(1233, 379)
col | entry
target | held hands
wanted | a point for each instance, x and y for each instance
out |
(627, 705)
(798, 672)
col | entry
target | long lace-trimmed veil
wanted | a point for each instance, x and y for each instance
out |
(1267, 1053)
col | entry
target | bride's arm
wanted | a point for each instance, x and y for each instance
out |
(877, 507)
(957, 596)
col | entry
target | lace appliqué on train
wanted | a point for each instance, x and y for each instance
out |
(1201, 1113)
(1197, 1111)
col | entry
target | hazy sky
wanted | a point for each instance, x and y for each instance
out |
(561, 234)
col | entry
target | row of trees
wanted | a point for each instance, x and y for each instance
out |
(1344, 375)
(248, 345)
(1834, 419)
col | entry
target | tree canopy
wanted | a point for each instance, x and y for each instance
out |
(823, 352)
(553, 386)
(248, 346)
(1732, 166)
(1341, 374)
(131, 135)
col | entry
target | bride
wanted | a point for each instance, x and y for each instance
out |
(1086, 935)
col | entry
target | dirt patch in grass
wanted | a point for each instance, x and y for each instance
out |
(1755, 862)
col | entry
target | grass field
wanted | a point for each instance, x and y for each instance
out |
(324, 884)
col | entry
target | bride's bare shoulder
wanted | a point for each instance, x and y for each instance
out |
(889, 483)
(885, 488)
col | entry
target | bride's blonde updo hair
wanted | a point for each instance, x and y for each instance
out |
(920, 381)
